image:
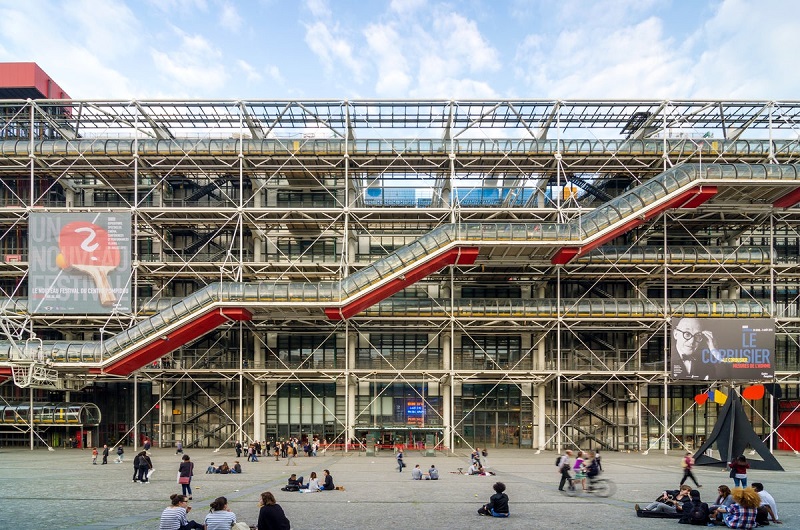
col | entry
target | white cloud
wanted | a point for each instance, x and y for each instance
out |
(194, 65)
(319, 8)
(250, 73)
(230, 18)
(747, 52)
(462, 41)
(182, 6)
(406, 6)
(76, 50)
(333, 51)
(385, 50)
(602, 61)
(275, 74)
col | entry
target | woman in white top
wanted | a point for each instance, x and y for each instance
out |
(220, 517)
(313, 484)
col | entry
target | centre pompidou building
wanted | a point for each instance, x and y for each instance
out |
(496, 273)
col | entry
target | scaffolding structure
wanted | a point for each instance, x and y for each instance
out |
(503, 271)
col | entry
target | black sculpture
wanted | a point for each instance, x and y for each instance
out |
(733, 433)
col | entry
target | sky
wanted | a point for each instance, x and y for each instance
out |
(409, 49)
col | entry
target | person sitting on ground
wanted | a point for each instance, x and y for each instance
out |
(695, 512)
(220, 517)
(294, 483)
(237, 467)
(174, 516)
(498, 503)
(743, 511)
(416, 473)
(270, 515)
(224, 468)
(211, 469)
(313, 484)
(720, 506)
(768, 511)
(669, 504)
(327, 484)
(474, 469)
(433, 473)
(482, 471)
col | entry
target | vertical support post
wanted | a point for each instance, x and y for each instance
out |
(135, 412)
(30, 414)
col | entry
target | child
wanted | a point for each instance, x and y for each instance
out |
(94, 456)
(498, 503)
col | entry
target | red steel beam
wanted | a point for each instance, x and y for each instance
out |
(460, 256)
(174, 340)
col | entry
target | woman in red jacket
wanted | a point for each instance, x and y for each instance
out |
(739, 469)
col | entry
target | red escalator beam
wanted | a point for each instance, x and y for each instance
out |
(788, 200)
(455, 256)
(174, 340)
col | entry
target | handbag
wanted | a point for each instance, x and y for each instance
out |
(732, 474)
(184, 480)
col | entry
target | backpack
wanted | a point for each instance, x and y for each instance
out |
(698, 514)
(558, 461)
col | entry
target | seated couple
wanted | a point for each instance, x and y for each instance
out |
(477, 469)
(417, 474)
(670, 504)
(295, 483)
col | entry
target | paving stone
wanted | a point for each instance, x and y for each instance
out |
(61, 489)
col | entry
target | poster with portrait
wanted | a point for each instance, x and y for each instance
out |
(722, 348)
(79, 263)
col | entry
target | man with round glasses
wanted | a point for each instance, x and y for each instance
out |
(689, 340)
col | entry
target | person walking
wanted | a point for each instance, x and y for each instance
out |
(185, 473)
(291, 453)
(238, 449)
(145, 465)
(400, 463)
(94, 456)
(179, 447)
(688, 465)
(120, 455)
(136, 466)
(105, 454)
(271, 516)
(563, 468)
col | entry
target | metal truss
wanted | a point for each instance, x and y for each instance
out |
(314, 191)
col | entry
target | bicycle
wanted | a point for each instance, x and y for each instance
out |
(600, 487)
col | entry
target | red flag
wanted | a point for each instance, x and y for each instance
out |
(753, 392)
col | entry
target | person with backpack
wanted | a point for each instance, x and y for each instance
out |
(695, 512)
(120, 455)
(563, 465)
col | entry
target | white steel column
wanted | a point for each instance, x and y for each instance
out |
(258, 392)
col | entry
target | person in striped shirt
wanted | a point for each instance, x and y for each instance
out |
(174, 516)
(742, 513)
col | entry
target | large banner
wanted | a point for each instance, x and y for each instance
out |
(723, 348)
(79, 263)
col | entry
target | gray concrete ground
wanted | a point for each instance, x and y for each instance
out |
(63, 490)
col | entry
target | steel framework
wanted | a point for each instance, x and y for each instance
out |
(503, 271)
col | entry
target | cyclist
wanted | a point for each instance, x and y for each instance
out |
(592, 468)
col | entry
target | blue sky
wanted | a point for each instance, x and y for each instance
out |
(415, 49)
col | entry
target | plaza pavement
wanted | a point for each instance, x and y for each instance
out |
(61, 489)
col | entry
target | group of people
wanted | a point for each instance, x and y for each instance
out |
(224, 468)
(587, 465)
(313, 485)
(741, 507)
(220, 517)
